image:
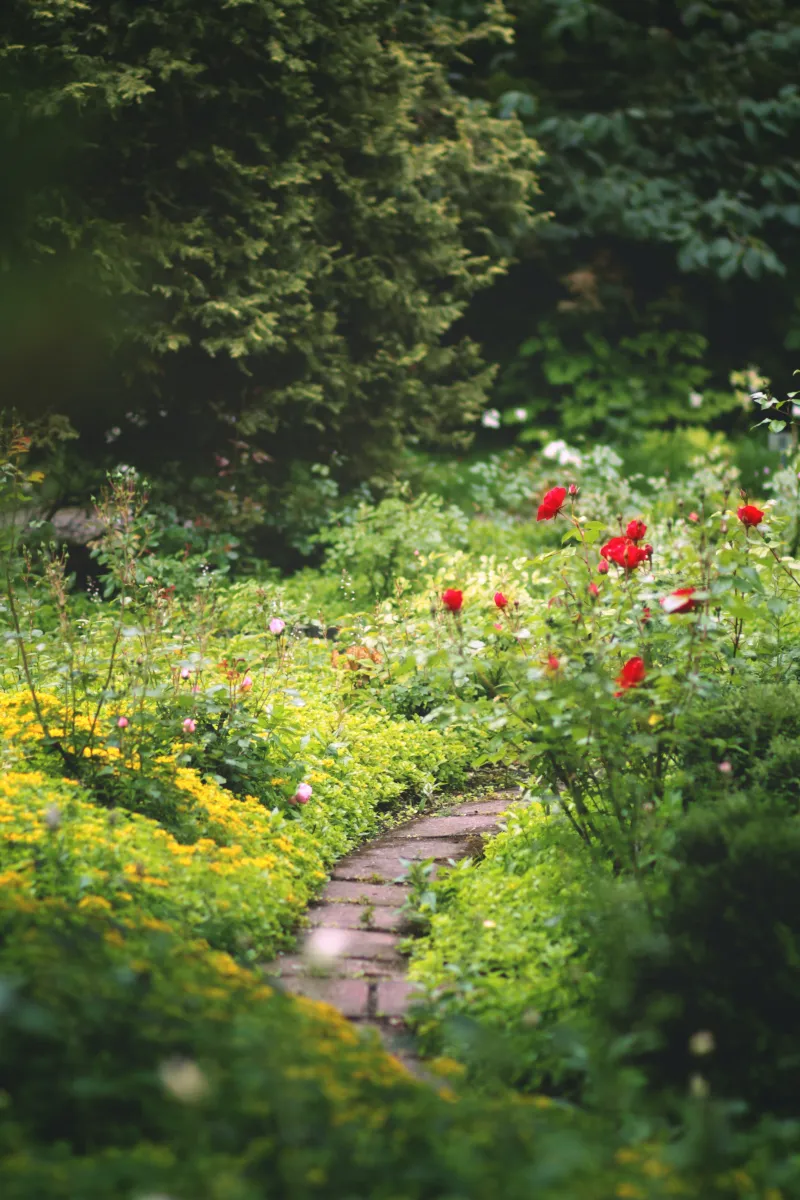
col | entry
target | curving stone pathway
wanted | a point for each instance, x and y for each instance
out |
(348, 957)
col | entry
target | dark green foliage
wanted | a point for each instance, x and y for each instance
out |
(284, 208)
(756, 729)
(723, 960)
(670, 134)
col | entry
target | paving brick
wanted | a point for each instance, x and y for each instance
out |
(351, 916)
(393, 997)
(384, 862)
(362, 943)
(483, 807)
(350, 996)
(365, 893)
(457, 825)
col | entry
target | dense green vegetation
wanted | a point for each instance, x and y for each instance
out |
(263, 594)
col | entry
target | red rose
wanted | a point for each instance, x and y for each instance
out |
(500, 600)
(625, 553)
(552, 662)
(636, 530)
(552, 504)
(631, 675)
(749, 515)
(679, 601)
(453, 599)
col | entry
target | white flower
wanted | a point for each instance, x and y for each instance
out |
(695, 399)
(566, 456)
(183, 1079)
(491, 419)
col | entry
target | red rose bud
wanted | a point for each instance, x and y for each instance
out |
(500, 600)
(646, 615)
(679, 601)
(453, 599)
(573, 489)
(749, 515)
(552, 504)
(552, 662)
(594, 590)
(636, 530)
(631, 675)
(602, 567)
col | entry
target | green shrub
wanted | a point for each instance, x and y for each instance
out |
(506, 962)
(755, 729)
(721, 960)
(293, 190)
(398, 542)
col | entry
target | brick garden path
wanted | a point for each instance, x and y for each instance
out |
(349, 957)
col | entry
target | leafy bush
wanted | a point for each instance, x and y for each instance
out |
(752, 731)
(712, 989)
(507, 951)
(669, 166)
(293, 191)
(379, 547)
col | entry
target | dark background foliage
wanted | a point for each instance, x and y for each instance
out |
(281, 211)
(671, 134)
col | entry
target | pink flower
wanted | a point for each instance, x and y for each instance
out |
(453, 599)
(693, 516)
(498, 626)
(500, 600)
(189, 725)
(277, 626)
(725, 767)
(246, 684)
(303, 794)
(123, 723)
(552, 504)
(185, 672)
(573, 489)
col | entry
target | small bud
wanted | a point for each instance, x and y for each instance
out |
(52, 817)
(183, 1079)
(573, 489)
(701, 1043)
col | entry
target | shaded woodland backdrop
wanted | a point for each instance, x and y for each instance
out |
(270, 247)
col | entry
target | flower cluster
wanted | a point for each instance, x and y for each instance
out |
(624, 551)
